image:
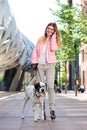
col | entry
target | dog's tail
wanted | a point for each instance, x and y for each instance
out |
(33, 81)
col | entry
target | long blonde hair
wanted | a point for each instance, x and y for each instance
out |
(56, 31)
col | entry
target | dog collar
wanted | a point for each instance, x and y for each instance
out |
(38, 96)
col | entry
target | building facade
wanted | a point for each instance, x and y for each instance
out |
(83, 59)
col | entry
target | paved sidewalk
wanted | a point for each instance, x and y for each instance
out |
(71, 113)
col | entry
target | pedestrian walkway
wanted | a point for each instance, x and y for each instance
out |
(71, 113)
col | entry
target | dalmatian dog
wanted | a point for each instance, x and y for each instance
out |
(37, 94)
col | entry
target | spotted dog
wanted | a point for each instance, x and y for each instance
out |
(37, 95)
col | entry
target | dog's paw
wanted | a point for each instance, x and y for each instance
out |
(35, 120)
(42, 120)
(38, 118)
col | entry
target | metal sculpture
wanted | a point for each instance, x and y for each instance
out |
(15, 49)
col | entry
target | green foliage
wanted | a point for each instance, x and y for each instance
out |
(73, 30)
(1, 77)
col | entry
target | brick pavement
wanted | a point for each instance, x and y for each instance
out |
(71, 113)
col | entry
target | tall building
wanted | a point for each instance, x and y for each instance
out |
(83, 67)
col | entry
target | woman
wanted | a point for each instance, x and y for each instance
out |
(44, 56)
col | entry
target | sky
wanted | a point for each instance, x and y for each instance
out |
(32, 16)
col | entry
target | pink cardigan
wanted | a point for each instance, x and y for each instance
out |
(51, 47)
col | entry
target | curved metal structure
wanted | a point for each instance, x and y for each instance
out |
(15, 48)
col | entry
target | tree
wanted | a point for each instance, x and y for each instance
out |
(73, 31)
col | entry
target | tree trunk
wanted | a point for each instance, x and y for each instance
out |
(70, 2)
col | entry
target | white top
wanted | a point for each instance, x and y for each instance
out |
(42, 59)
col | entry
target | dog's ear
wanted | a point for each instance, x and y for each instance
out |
(37, 86)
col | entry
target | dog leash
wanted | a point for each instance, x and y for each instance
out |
(41, 79)
(39, 75)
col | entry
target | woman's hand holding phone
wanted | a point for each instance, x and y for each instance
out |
(53, 37)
